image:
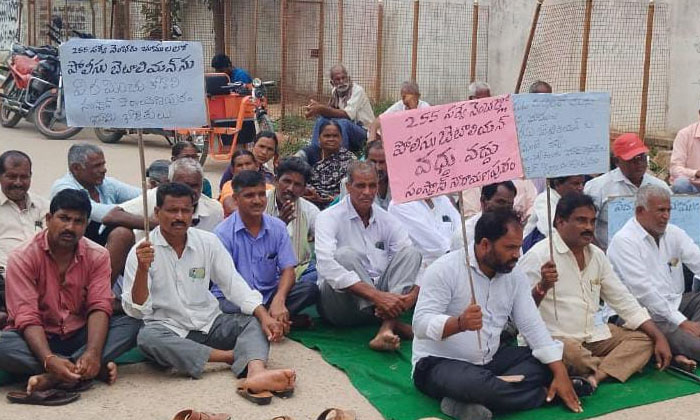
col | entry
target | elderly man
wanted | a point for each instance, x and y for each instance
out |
(631, 173)
(685, 160)
(522, 203)
(86, 171)
(593, 351)
(22, 213)
(349, 106)
(540, 86)
(376, 155)
(166, 284)
(410, 99)
(448, 362)
(60, 304)
(367, 266)
(648, 255)
(479, 90)
(157, 173)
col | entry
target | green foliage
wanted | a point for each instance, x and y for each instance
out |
(298, 129)
(382, 106)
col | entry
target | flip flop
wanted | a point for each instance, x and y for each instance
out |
(259, 398)
(336, 414)
(51, 397)
(582, 386)
(282, 418)
(80, 386)
(283, 394)
(196, 415)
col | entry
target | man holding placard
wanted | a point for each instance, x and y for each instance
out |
(648, 254)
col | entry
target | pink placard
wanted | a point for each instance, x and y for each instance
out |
(447, 148)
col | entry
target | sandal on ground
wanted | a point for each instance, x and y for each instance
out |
(336, 414)
(282, 418)
(283, 394)
(80, 386)
(196, 415)
(51, 397)
(259, 398)
(582, 386)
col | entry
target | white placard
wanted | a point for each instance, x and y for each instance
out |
(133, 84)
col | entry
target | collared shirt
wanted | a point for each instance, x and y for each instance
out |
(327, 173)
(301, 229)
(340, 226)
(579, 292)
(399, 106)
(111, 191)
(207, 215)
(524, 198)
(609, 185)
(445, 293)
(430, 229)
(654, 273)
(37, 295)
(357, 106)
(382, 202)
(685, 157)
(259, 259)
(18, 226)
(178, 287)
(538, 218)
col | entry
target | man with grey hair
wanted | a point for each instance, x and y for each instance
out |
(540, 86)
(479, 90)
(685, 160)
(648, 255)
(410, 99)
(349, 106)
(157, 173)
(366, 264)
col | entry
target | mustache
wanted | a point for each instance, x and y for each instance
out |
(71, 234)
(587, 232)
(178, 223)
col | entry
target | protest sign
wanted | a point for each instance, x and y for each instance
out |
(684, 214)
(448, 148)
(9, 23)
(133, 84)
(563, 134)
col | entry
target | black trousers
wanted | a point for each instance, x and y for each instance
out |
(462, 381)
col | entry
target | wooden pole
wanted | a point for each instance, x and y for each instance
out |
(164, 20)
(526, 56)
(321, 34)
(475, 41)
(467, 258)
(127, 19)
(30, 22)
(647, 65)
(551, 244)
(93, 19)
(254, 50)
(380, 51)
(144, 186)
(414, 55)
(341, 22)
(283, 40)
(584, 50)
(103, 5)
(227, 28)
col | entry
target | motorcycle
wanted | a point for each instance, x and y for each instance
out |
(113, 135)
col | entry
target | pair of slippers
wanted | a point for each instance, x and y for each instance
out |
(328, 414)
(264, 397)
(61, 395)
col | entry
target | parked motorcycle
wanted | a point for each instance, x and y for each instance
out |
(113, 135)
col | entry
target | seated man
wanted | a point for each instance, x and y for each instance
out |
(222, 64)
(648, 255)
(375, 155)
(87, 169)
(631, 173)
(157, 173)
(241, 160)
(366, 264)
(262, 253)
(349, 106)
(410, 99)
(60, 302)
(479, 90)
(591, 350)
(187, 149)
(540, 86)
(22, 213)
(685, 160)
(522, 203)
(286, 203)
(449, 363)
(167, 285)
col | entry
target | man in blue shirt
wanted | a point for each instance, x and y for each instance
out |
(262, 252)
(222, 64)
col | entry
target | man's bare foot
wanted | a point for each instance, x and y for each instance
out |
(403, 330)
(271, 380)
(40, 383)
(385, 340)
(685, 363)
(108, 373)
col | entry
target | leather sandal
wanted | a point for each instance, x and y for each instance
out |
(196, 415)
(336, 414)
(51, 397)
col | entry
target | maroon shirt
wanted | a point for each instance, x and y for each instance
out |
(35, 295)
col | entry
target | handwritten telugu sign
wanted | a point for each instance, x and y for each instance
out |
(446, 148)
(133, 84)
(684, 214)
(563, 134)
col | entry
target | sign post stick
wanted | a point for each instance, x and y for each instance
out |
(551, 245)
(144, 187)
(466, 254)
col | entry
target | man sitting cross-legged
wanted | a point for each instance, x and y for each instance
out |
(473, 377)
(366, 264)
(60, 302)
(262, 253)
(583, 275)
(166, 284)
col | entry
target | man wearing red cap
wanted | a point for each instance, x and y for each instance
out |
(685, 160)
(631, 173)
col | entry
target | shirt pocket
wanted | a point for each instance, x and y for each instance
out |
(195, 287)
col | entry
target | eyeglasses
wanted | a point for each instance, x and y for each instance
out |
(639, 159)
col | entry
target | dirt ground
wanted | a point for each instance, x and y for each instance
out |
(147, 393)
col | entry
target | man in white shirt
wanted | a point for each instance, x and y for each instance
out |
(410, 99)
(648, 255)
(449, 363)
(479, 90)
(522, 203)
(166, 284)
(366, 264)
(377, 156)
(22, 213)
(631, 173)
(582, 275)
(349, 106)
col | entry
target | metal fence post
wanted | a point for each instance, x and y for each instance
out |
(164, 20)
(380, 51)
(321, 31)
(586, 41)
(414, 56)
(341, 22)
(475, 41)
(283, 40)
(254, 51)
(103, 5)
(533, 27)
(647, 65)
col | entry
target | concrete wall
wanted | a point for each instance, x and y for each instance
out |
(684, 83)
